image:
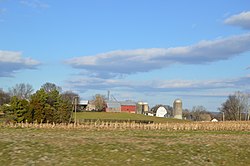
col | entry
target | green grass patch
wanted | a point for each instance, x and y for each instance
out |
(123, 117)
(129, 147)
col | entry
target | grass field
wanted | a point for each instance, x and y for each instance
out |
(126, 146)
(124, 116)
(26, 146)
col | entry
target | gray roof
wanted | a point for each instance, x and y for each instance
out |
(128, 102)
(117, 104)
(84, 102)
(113, 104)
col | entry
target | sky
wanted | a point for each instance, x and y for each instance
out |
(143, 50)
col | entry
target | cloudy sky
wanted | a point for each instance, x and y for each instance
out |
(153, 51)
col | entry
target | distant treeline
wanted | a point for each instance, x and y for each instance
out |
(47, 104)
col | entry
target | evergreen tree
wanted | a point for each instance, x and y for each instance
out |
(17, 110)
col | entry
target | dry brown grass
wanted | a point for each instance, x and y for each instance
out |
(122, 144)
(203, 126)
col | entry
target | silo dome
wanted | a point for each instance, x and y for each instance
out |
(178, 101)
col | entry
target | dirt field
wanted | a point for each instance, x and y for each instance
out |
(129, 147)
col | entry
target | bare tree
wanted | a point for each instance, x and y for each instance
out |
(69, 96)
(200, 113)
(4, 97)
(99, 102)
(48, 87)
(231, 108)
(186, 114)
(243, 107)
(22, 91)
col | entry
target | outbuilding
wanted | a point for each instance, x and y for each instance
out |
(83, 105)
(214, 120)
(113, 106)
(161, 111)
(128, 106)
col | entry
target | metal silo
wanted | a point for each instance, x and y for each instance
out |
(142, 108)
(145, 109)
(139, 108)
(177, 109)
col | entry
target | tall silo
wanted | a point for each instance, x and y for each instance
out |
(145, 108)
(177, 105)
(139, 108)
(142, 108)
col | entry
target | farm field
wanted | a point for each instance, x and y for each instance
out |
(30, 146)
(124, 116)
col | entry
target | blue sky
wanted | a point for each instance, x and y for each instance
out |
(142, 50)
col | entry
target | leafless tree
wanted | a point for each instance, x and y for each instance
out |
(48, 87)
(200, 113)
(243, 107)
(22, 91)
(4, 97)
(231, 108)
(186, 114)
(70, 96)
(99, 102)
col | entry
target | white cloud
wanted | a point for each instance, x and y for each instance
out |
(11, 61)
(241, 19)
(121, 62)
(158, 85)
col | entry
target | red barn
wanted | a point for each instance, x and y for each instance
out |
(128, 106)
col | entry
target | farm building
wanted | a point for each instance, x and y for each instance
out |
(214, 120)
(90, 106)
(83, 105)
(116, 106)
(121, 106)
(113, 106)
(128, 106)
(167, 111)
(161, 111)
(142, 108)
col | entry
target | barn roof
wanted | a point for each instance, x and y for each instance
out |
(84, 102)
(113, 104)
(155, 108)
(128, 102)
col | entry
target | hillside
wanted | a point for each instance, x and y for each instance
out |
(123, 116)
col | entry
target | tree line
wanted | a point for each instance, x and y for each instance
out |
(236, 107)
(51, 104)
(48, 104)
